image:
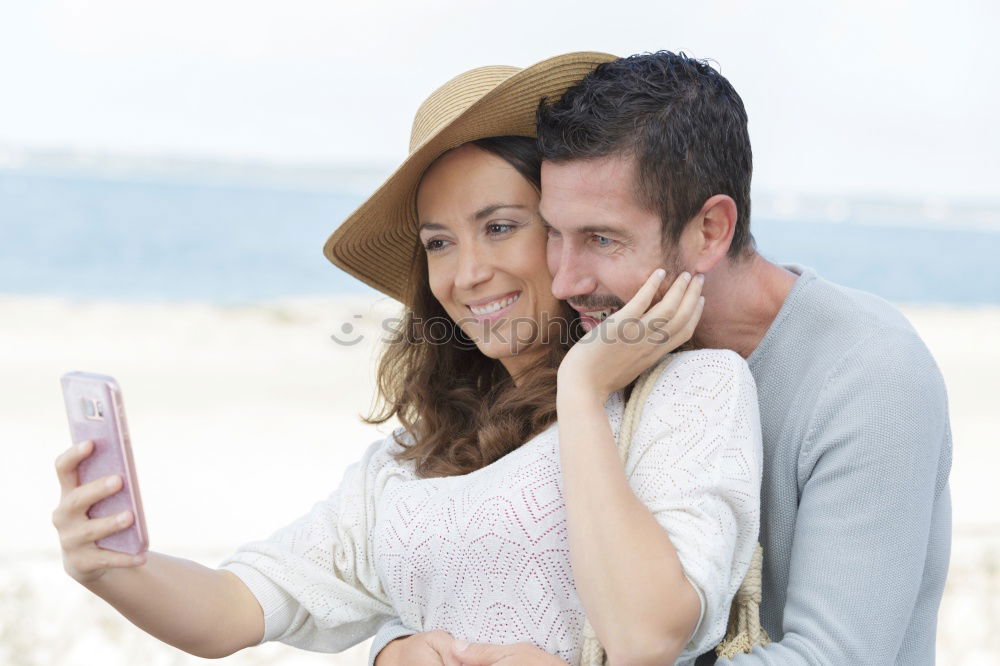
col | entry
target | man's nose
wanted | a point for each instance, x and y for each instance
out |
(571, 277)
(473, 267)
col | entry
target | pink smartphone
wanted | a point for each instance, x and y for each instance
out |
(96, 412)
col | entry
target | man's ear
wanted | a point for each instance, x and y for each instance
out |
(711, 233)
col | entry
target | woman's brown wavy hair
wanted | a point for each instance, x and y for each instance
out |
(461, 407)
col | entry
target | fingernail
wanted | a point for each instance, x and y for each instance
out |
(111, 482)
(460, 646)
(701, 277)
(659, 273)
(138, 559)
(123, 518)
(83, 445)
(685, 276)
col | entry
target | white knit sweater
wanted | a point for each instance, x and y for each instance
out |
(485, 556)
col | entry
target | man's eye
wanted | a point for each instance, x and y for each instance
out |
(551, 231)
(603, 241)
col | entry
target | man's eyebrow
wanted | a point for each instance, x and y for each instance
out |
(486, 211)
(600, 230)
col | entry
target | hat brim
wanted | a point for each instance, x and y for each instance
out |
(376, 242)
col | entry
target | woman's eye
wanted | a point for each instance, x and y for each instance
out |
(434, 245)
(498, 228)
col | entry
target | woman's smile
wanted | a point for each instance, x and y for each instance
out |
(493, 309)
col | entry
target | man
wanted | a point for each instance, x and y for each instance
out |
(647, 163)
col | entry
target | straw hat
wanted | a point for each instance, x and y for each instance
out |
(375, 244)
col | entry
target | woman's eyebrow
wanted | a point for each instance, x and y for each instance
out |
(486, 211)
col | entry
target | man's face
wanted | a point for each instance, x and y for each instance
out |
(603, 244)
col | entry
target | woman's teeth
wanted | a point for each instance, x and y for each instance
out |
(490, 308)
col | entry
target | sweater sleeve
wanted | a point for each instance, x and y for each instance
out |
(315, 578)
(386, 634)
(695, 461)
(872, 469)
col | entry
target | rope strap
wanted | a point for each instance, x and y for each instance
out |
(744, 630)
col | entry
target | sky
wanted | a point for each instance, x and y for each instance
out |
(882, 97)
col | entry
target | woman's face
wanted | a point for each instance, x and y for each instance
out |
(485, 246)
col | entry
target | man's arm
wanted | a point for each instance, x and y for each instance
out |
(873, 481)
(387, 633)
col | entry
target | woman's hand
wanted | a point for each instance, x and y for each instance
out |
(438, 648)
(516, 654)
(427, 648)
(633, 339)
(82, 558)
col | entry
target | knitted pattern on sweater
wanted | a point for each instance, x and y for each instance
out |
(485, 556)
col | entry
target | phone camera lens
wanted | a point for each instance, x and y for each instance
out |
(93, 409)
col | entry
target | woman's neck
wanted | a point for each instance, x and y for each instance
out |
(518, 364)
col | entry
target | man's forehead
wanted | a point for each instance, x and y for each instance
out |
(585, 216)
(609, 173)
(588, 195)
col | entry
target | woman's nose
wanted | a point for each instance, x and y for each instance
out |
(473, 268)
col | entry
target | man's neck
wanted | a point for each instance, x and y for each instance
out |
(741, 301)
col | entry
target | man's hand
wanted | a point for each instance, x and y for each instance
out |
(429, 648)
(516, 654)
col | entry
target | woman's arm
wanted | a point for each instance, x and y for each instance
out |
(694, 466)
(206, 612)
(627, 571)
(315, 578)
(312, 584)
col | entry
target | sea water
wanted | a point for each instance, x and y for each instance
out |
(85, 237)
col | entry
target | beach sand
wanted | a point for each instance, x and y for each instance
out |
(242, 417)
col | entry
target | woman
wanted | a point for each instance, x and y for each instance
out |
(473, 518)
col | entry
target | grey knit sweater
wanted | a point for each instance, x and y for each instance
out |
(856, 514)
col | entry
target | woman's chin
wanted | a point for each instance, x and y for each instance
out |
(498, 351)
(505, 338)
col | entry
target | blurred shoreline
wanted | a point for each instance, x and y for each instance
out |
(243, 416)
(362, 178)
(142, 230)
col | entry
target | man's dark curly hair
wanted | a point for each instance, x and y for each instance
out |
(678, 117)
